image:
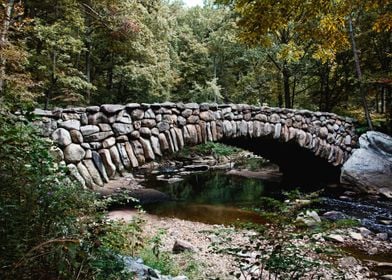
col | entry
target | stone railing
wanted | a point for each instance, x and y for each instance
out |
(99, 142)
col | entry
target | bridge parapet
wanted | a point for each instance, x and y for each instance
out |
(99, 142)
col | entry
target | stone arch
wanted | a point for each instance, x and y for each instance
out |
(99, 142)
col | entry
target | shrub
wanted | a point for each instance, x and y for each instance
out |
(50, 227)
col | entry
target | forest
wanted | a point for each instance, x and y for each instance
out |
(285, 54)
(321, 55)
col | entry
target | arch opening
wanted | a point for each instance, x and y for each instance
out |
(300, 167)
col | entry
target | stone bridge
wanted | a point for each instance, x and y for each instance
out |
(98, 143)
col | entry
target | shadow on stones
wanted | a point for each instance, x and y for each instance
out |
(300, 167)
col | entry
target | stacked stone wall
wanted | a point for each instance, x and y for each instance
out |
(100, 142)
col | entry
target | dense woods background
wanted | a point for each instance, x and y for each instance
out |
(320, 55)
(293, 54)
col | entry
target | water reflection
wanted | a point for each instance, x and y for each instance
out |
(211, 197)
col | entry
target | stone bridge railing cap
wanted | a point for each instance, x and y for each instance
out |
(43, 113)
(168, 104)
(112, 108)
(191, 106)
(180, 105)
(74, 110)
(131, 106)
(92, 109)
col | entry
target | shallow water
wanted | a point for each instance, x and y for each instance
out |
(216, 198)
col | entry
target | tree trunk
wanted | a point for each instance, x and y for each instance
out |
(286, 86)
(4, 42)
(48, 92)
(359, 74)
(279, 83)
(88, 69)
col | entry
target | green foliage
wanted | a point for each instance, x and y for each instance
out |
(50, 227)
(165, 262)
(211, 148)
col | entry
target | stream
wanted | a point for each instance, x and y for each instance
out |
(213, 197)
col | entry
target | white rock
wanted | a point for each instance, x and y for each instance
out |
(355, 235)
(61, 137)
(370, 167)
(335, 237)
(74, 153)
(364, 231)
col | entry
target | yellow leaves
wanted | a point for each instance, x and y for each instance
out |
(290, 52)
(324, 54)
(383, 23)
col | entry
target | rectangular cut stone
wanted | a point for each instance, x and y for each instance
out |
(227, 128)
(114, 154)
(187, 136)
(124, 155)
(107, 161)
(94, 173)
(169, 141)
(209, 133)
(86, 176)
(198, 130)
(148, 152)
(180, 138)
(155, 145)
(219, 130)
(250, 129)
(131, 155)
(192, 133)
(139, 152)
(213, 131)
(203, 129)
(174, 138)
(278, 128)
(163, 142)
(100, 166)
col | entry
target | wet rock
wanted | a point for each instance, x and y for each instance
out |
(370, 167)
(196, 167)
(182, 246)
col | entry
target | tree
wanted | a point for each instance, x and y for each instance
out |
(293, 22)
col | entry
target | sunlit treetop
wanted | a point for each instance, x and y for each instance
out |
(321, 23)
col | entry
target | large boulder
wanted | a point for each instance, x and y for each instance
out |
(370, 167)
